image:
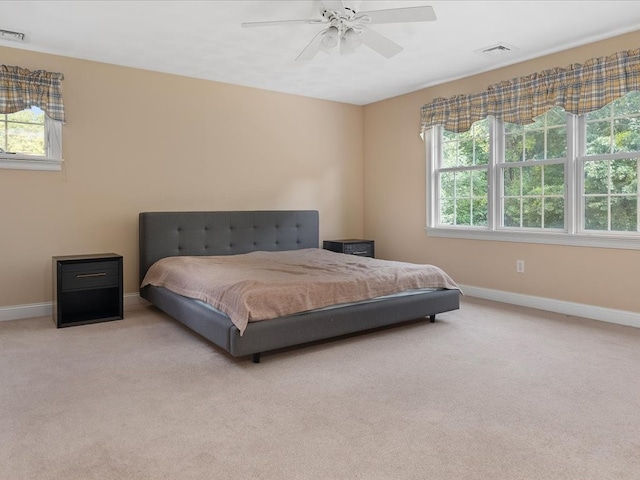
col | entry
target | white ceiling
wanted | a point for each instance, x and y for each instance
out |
(204, 39)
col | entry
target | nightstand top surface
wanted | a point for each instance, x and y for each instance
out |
(350, 240)
(91, 256)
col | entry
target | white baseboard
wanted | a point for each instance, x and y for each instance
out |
(621, 317)
(45, 309)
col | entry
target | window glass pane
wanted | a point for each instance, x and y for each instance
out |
(624, 214)
(598, 138)
(554, 179)
(624, 176)
(534, 145)
(447, 183)
(557, 142)
(29, 115)
(626, 134)
(512, 212)
(532, 212)
(465, 149)
(463, 184)
(615, 127)
(447, 211)
(25, 138)
(510, 128)
(480, 186)
(448, 136)
(553, 213)
(449, 154)
(480, 211)
(513, 147)
(463, 211)
(556, 117)
(596, 213)
(532, 180)
(596, 177)
(24, 132)
(604, 112)
(481, 139)
(627, 105)
(512, 181)
(545, 138)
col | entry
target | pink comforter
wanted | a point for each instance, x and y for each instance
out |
(263, 285)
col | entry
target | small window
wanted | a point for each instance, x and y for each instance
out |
(30, 140)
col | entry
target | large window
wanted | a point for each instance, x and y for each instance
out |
(563, 179)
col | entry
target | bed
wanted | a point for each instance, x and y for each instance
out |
(164, 235)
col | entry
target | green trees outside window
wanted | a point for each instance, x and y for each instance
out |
(524, 174)
(23, 132)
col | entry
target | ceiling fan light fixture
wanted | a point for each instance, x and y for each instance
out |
(351, 40)
(330, 38)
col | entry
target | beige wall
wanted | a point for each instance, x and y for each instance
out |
(395, 210)
(141, 141)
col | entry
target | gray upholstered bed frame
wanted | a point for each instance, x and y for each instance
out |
(164, 234)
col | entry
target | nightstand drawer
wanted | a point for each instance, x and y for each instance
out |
(362, 248)
(89, 275)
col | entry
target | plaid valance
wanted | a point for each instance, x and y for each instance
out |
(21, 88)
(578, 89)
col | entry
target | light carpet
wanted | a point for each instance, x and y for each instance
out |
(491, 391)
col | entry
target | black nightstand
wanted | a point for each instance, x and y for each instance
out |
(351, 246)
(87, 289)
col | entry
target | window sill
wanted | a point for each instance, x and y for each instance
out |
(547, 238)
(25, 162)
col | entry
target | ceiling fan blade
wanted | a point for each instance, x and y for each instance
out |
(400, 15)
(333, 5)
(312, 48)
(378, 43)
(282, 22)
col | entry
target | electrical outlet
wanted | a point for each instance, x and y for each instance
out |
(520, 266)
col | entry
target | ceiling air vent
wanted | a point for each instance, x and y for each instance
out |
(13, 36)
(497, 50)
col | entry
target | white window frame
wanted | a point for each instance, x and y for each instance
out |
(52, 161)
(573, 233)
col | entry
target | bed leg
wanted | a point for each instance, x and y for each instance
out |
(432, 318)
(256, 358)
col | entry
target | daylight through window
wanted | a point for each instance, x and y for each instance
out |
(561, 178)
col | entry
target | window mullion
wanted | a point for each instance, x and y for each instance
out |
(574, 203)
(434, 157)
(496, 149)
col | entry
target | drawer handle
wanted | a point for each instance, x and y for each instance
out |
(87, 275)
(360, 252)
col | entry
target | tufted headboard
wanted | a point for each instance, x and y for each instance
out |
(166, 234)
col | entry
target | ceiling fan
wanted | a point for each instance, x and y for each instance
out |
(349, 29)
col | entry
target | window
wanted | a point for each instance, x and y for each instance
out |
(463, 180)
(563, 179)
(29, 139)
(532, 173)
(31, 117)
(608, 167)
